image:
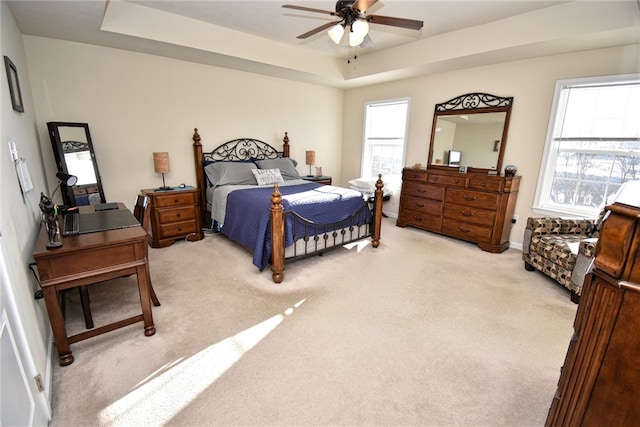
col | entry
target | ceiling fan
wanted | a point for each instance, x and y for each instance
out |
(352, 14)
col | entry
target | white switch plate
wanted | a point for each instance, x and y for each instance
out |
(13, 150)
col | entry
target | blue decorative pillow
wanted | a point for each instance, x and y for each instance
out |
(230, 173)
(286, 165)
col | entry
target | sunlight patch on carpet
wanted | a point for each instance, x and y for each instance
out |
(360, 244)
(155, 401)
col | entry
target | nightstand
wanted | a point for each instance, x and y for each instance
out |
(322, 179)
(175, 214)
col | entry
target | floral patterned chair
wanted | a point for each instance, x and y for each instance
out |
(563, 249)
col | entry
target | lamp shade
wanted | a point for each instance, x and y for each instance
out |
(359, 29)
(161, 162)
(335, 33)
(67, 179)
(310, 157)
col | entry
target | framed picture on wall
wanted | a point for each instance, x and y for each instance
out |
(14, 85)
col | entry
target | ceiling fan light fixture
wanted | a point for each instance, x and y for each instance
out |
(359, 30)
(335, 33)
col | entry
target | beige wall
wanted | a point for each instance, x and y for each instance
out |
(531, 83)
(136, 104)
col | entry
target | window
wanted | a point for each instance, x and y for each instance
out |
(593, 144)
(384, 139)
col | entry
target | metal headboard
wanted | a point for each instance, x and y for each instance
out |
(243, 149)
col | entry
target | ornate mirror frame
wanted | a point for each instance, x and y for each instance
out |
(73, 150)
(465, 106)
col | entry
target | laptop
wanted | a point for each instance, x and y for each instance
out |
(77, 223)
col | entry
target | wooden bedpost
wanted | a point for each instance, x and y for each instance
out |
(285, 146)
(277, 235)
(377, 213)
(198, 158)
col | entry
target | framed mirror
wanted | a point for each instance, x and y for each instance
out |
(470, 130)
(73, 150)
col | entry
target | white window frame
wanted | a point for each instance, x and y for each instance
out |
(394, 179)
(547, 167)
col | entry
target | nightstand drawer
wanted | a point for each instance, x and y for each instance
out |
(178, 214)
(178, 229)
(174, 199)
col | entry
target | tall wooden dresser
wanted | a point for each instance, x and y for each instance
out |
(600, 381)
(474, 207)
(175, 214)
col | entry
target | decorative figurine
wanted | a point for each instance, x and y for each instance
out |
(49, 216)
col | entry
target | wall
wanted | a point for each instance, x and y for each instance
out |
(20, 214)
(531, 82)
(136, 104)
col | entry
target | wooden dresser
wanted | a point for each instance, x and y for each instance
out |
(473, 207)
(600, 380)
(174, 215)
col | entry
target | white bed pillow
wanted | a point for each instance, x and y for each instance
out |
(267, 176)
(286, 165)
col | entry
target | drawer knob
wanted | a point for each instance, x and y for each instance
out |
(179, 228)
(457, 181)
(176, 200)
(420, 205)
(467, 214)
(469, 198)
(417, 218)
(421, 190)
(464, 230)
(178, 215)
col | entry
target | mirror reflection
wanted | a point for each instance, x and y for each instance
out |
(470, 130)
(74, 155)
(463, 138)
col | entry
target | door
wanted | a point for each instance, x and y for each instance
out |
(21, 404)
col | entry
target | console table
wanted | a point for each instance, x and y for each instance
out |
(89, 258)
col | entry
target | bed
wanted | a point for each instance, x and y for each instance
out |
(252, 193)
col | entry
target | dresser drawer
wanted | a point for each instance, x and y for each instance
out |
(178, 229)
(414, 175)
(422, 190)
(466, 231)
(419, 204)
(174, 199)
(486, 183)
(477, 199)
(470, 214)
(177, 214)
(450, 180)
(419, 219)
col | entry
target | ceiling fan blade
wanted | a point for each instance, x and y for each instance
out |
(317, 30)
(411, 24)
(308, 9)
(363, 5)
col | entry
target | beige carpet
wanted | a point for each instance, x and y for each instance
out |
(424, 330)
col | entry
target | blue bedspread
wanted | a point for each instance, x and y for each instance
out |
(248, 217)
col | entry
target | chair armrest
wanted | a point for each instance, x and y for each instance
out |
(587, 247)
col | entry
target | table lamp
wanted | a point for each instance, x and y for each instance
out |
(310, 159)
(161, 165)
